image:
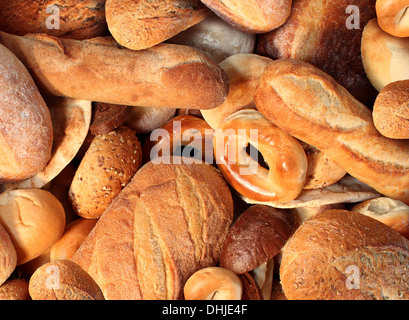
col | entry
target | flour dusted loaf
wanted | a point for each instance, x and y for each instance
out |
(168, 222)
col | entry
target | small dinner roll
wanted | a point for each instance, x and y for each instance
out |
(391, 110)
(8, 255)
(393, 17)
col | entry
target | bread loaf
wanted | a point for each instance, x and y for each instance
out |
(345, 255)
(15, 289)
(8, 255)
(391, 110)
(308, 104)
(393, 17)
(167, 223)
(142, 24)
(385, 57)
(33, 218)
(26, 130)
(252, 16)
(76, 19)
(317, 32)
(101, 70)
(106, 168)
(107, 117)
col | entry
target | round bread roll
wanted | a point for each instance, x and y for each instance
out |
(216, 38)
(391, 110)
(393, 17)
(244, 72)
(63, 280)
(33, 218)
(109, 163)
(15, 289)
(213, 283)
(345, 255)
(74, 235)
(285, 176)
(393, 213)
(26, 130)
(385, 57)
(8, 255)
(145, 120)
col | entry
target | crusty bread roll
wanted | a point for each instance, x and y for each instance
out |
(15, 289)
(167, 223)
(33, 218)
(100, 70)
(216, 38)
(285, 176)
(393, 17)
(252, 16)
(8, 255)
(107, 117)
(26, 131)
(72, 238)
(76, 19)
(71, 120)
(385, 57)
(322, 171)
(317, 32)
(63, 280)
(391, 110)
(308, 104)
(345, 255)
(144, 120)
(108, 165)
(244, 72)
(142, 24)
(393, 213)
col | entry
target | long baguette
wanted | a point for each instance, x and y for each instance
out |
(311, 106)
(99, 69)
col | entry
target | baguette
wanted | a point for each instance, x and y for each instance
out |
(308, 104)
(100, 70)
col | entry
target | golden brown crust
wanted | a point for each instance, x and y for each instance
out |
(384, 56)
(330, 119)
(244, 72)
(106, 168)
(252, 16)
(393, 17)
(169, 221)
(316, 32)
(328, 250)
(15, 289)
(106, 72)
(142, 24)
(78, 19)
(33, 218)
(26, 130)
(391, 110)
(63, 280)
(144, 120)
(285, 176)
(8, 255)
(72, 238)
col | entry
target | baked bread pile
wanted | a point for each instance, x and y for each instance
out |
(204, 150)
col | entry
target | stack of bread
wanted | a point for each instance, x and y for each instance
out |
(204, 150)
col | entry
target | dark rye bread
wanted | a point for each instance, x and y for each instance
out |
(107, 117)
(78, 19)
(316, 32)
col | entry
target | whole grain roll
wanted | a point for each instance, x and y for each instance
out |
(345, 255)
(76, 19)
(26, 129)
(33, 218)
(168, 222)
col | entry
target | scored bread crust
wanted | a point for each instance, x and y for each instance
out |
(100, 70)
(26, 130)
(169, 222)
(308, 104)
